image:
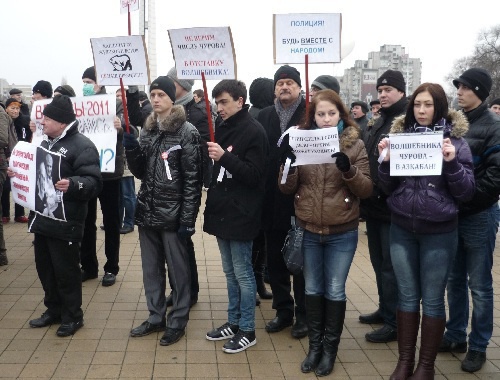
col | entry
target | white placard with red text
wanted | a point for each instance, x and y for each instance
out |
(210, 50)
(96, 115)
(129, 6)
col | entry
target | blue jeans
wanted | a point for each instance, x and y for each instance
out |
(474, 259)
(421, 263)
(327, 259)
(236, 258)
(127, 201)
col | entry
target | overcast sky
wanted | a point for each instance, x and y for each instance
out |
(51, 39)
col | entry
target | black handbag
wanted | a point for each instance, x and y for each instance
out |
(292, 249)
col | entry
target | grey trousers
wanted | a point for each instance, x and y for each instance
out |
(158, 247)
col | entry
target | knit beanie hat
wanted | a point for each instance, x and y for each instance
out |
(60, 109)
(392, 78)
(44, 88)
(287, 72)
(478, 80)
(495, 102)
(324, 82)
(10, 101)
(261, 92)
(90, 73)
(15, 91)
(363, 105)
(65, 90)
(143, 96)
(186, 84)
(165, 84)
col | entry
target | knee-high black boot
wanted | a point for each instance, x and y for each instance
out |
(315, 317)
(334, 324)
(259, 265)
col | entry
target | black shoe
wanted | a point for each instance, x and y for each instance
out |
(473, 361)
(448, 346)
(67, 329)
(147, 328)
(299, 329)
(170, 301)
(384, 334)
(126, 230)
(226, 331)
(278, 324)
(257, 301)
(45, 320)
(3, 258)
(171, 336)
(87, 276)
(240, 342)
(108, 279)
(372, 318)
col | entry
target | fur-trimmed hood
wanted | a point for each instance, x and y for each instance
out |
(170, 124)
(456, 119)
(349, 136)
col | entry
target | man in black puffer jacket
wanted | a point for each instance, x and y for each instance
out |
(391, 89)
(167, 160)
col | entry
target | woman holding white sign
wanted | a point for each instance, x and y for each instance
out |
(424, 220)
(327, 207)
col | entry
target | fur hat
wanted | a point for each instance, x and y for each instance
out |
(186, 84)
(165, 84)
(495, 102)
(60, 109)
(392, 78)
(10, 101)
(363, 105)
(324, 82)
(15, 91)
(90, 73)
(44, 88)
(143, 96)
(478, 80)
(287, 72)
(373, 102)
(65, 89)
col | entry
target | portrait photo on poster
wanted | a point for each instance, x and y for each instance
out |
(48, 201)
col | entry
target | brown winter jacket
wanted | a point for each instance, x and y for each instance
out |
(326, 201)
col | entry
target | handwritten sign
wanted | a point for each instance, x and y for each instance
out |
(37, 171)
(129, 5)
(314, 146)
(96, 115)
(122, 57)
(209, 50)
(416, 154)
(315, 34)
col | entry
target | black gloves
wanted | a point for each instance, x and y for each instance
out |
(129, 141)
(185, 232)
(288, 153)
(342, 162)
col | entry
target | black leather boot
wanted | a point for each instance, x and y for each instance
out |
(261, 286)
(334, 324)
(315, 315)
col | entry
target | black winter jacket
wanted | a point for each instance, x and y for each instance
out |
(80, 164)
(164, 203)
(483, 138)
(278, 207)
(234, 205)
(376, 206)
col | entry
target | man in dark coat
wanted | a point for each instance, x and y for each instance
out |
(287, 111)
(234, 205)
(391, 93)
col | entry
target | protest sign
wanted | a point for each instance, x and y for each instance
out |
(96, 115)
(118, 58)
(37, 171)
(208, 50)
(416, 154)
(314, 146)
(129, 6)
(315, 34)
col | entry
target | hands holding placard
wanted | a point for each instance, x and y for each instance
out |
(384, 145)
(448, 150)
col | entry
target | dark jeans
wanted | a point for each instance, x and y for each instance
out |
(18, 210)
(378, 233)
(109, 199)
(193, 269)
(57, 266)
(279, 279)
(127, 201)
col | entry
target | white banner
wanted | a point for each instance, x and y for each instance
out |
(416, 154)
(314, 146)
(129, 5)
(209, 50)
(120, 57)
(96, 115)
(315, 34)
(37, 171)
